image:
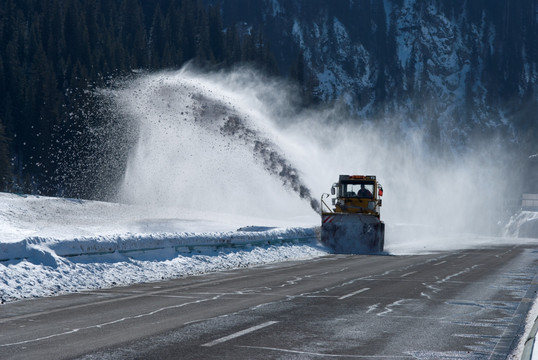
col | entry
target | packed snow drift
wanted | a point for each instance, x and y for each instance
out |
(55, 245)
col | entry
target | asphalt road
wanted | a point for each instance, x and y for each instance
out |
(468, 304)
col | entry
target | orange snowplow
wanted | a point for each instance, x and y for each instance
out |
(352, 224)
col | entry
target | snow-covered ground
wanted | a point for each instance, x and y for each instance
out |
(55, 245)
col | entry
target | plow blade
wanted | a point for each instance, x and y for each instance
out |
(352, 233)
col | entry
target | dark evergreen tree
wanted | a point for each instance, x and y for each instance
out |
(133, 33)
(215, 33)
(158, 41)
(232, 46)
(5, 163)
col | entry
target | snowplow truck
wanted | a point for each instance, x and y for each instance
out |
(352, 224)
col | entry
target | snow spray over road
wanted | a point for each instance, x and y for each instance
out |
(207, 142)
(228, 142)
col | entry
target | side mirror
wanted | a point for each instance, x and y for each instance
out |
(379, 202)
(333, 190)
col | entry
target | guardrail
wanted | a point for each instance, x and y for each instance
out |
(132, 243)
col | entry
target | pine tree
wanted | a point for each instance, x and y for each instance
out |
(158, 41)
(297, 70)
(5, 164)
(133, 34)
(216, 37)
(232, 46)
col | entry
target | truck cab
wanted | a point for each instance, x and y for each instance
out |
(357, 194)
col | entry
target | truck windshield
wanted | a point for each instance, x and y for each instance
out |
(362, 190)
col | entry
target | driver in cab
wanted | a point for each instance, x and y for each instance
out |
(364, 192)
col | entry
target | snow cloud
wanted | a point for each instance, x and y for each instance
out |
(233, 142)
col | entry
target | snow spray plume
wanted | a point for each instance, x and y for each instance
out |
(91, 146)
(228, 142)
(263, 150)
(217, 116)
(209, 142)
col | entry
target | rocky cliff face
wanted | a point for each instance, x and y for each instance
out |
(459, 70)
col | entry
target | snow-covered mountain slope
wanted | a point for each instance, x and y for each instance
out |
(457, 70)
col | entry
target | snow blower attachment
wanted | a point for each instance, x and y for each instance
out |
(353, 226)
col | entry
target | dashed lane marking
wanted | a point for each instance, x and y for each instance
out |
(239, 333)
(409, 273)
(353, 293)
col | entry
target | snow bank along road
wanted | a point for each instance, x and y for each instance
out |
(55, 245)
(464, 304)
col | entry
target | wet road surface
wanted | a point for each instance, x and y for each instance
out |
(467, 304)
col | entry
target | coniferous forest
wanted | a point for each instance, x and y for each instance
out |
(51, 51)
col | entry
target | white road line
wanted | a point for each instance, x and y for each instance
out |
(407, 274)
(111, 322)
(353, 293)
(439, 263)
(175, 296)
(239, 333)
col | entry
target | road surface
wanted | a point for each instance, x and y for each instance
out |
(467, 304)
